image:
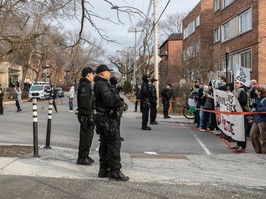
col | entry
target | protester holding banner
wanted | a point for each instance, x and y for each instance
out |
(258, 129)
(241, 95)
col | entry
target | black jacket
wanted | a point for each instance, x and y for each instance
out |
(153, 98)
(84, 97)
(145, 91)
(106, 98)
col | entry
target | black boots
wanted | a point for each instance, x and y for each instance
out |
(104, 173)
(85, 161)
(146, 128)
(118, 176)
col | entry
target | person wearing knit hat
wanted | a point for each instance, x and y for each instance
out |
(85, 116)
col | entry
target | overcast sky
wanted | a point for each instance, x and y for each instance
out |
(120, 32)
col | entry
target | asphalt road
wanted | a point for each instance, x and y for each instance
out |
(165, 138)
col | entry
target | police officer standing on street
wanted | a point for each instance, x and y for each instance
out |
(85, 116)
(153, 102)
(145, 102)
(107, 101)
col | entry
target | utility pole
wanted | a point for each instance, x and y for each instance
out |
(156, 74)
(135, 30)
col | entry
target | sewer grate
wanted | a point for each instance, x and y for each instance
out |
(157, 156)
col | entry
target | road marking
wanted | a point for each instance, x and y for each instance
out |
(201, 144)
(150, 152)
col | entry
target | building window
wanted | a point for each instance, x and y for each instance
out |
(225, 32)
(197, 21)
(216, 5)
(226, 3)
(189, 29)
(217, 35)
(245, 21)
(245, 59)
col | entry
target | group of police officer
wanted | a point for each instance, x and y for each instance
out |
(105, 100)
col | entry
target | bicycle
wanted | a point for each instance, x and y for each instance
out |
(189, 112)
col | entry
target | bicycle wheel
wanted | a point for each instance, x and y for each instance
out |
(189, 112)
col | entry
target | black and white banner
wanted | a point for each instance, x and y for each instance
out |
(242, 75)
(231, 125)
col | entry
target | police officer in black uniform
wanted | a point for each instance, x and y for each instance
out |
(85, 116)
(107, 101)
(153, 102)
(145, 102)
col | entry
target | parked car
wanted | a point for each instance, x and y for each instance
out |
(59, 91)
(39, 91)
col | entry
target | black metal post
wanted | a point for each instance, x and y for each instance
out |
(226, 66)
(35, 128)
(49, 124)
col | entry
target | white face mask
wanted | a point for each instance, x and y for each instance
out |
(168, 87)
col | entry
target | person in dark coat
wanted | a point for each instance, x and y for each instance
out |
(53, 95)
(153, 102)
(166, 97)
(85, 116)
(107, 101)
(145, 102)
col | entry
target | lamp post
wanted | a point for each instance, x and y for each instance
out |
(227, 51)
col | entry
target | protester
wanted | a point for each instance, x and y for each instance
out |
(201, 102)
(1, 100)
(192, 102)
(153, 102)
(145, 102)
(70, 96)
(85, 116)
(241, 95)
(138, 96)
(258, 129)
(106, 120)
(166, 97)
(53, 96)
(18, 93)
(222, 83)
(209, 106)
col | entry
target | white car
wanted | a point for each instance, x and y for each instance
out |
(39, 91)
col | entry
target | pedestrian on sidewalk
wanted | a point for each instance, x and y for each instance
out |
(1, 100)
(70, 96)
(166, 97)
(85, 116)
(106, 120)
(145, 102)
(153, 102)
(53, 95)
(18, 93)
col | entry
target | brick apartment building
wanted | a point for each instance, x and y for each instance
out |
(170, 67)
(235, 27)
(198, 42)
